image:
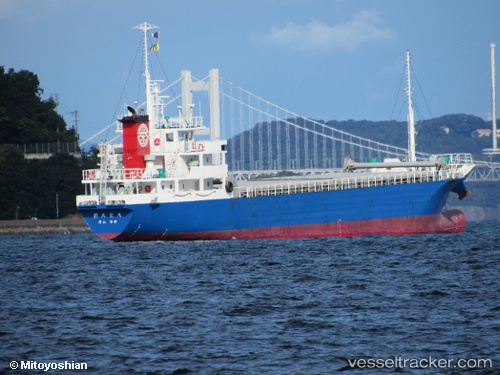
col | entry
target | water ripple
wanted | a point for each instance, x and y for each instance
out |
(250, 307)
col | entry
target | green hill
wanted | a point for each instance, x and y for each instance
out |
(44, 188)
(446, 134)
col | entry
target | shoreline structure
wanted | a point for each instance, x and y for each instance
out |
(59, 226)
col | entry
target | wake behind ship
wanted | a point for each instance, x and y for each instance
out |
(166, 181)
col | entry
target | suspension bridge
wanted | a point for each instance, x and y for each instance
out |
(266, 139)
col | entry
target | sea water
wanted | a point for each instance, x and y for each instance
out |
(302, 306)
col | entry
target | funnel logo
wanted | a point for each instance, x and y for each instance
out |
(143, 135)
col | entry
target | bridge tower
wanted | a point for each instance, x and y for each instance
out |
(212, 87)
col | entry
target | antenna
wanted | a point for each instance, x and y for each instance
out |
(75, 113)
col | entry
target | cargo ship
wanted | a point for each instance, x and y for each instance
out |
(165, 181)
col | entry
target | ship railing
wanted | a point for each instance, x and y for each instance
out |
(461, 159)
(453, 159)
(91, 174)
(115, 174)
(459, 165)
(197, 122)
(181, 123)
(127, 174)
(87, 200)
(344, 183)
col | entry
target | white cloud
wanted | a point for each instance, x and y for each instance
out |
(365, 27)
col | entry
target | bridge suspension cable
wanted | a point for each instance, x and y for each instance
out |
(302, 149)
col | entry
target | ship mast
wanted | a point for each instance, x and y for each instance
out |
(495, 150)
(145, 27)
(493, 99)
(411, 116)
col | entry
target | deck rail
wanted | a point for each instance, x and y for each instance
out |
(286, 187)
(343, 183)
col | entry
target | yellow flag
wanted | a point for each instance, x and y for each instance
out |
(155, 47)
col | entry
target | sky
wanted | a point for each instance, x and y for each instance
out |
(322, 59)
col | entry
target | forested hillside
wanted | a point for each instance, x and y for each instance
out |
(446, 134)
(31, 188)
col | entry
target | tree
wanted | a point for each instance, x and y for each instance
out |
(24, 116)
(58, 176)
(30, 187)
(14, 203)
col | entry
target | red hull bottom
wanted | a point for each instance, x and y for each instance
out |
(452, 221)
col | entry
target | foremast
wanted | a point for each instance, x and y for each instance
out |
(411, 116)
(150, 85)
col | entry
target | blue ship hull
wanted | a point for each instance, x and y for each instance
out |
(394, 209)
